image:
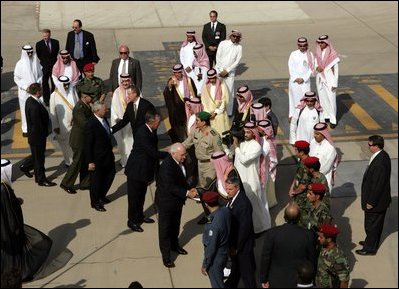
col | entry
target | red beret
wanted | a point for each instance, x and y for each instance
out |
(318, 188)
(210, 197)
(328, 230)
(302, 144)
(310, 161)
(88, 67)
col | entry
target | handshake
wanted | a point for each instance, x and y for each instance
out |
(192, 193)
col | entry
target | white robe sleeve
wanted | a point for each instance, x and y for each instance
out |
(53, 114)
(247, 156)
(237, 59)
(294, 126)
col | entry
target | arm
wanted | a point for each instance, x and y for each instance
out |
(328, 163)
(189, 141)
(89, 142)
(93, 48)
(247, 157)
(294, 126)
(211, 242)
(237, 59)
(266, 260)
(376, 187)
(138, 74)
(125, 120)
(53, 115)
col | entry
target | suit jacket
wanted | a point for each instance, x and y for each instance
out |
(210, 38)
(89, 46)
(376, 184)
(47, 59)
(128, 116)
(242, 236)
(80, 114)
(285, 247)
(37, 120)
(134, 70)
(143, 161)
(172, 187)
(98, 146)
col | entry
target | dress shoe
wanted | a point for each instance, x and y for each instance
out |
(68, 189)
(99, 208)
(361, 243)
(169, 264)
(203, 221)
(105, 200)
(180, 251)
(25, 134)
(148, 220)
(47, 184)
(364, 253)
(25, 171)
(84, 188)
(332, 125)
(136, 228)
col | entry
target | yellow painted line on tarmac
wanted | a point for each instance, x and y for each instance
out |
(20, 142)
(366, 120)
(385, 95)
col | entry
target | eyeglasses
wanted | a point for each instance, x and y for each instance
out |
(303, 45)
(236, 36)
(66, 57)
(123, 52)
(310, 100)
(370, 145)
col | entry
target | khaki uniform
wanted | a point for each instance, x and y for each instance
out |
(95, 83)
(332, 268)
(205, 145)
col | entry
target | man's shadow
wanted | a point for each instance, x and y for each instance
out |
(190, 230)
(80, 284)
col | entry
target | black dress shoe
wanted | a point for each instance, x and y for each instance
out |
(105, 200)
(136, 228)
(169, 264)
(47, 184)
(25, 134)
(332, 125)
(99, 208)
(68, 189)
(148, 220)
(361, 243)
(180, 251)
(203, 221)
(25, 171)
(365, 253)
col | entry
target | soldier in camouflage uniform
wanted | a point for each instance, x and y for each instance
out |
(332, 266)
(315, 211)
(215, 239)
(312, 165)
(96, 84)
(301, 179)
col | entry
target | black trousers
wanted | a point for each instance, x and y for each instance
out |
(100, 181)
(168, 230)
(373, 225)
(47, 90)
(136, 191)
(242, 266)
(36, 160)
(212, 60)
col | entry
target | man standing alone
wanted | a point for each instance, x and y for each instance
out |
(212, 34)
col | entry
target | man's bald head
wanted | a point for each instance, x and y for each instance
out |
(292, 213)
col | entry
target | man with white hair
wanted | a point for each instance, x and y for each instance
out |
(62, 102)
(228, 57)
(27, 71)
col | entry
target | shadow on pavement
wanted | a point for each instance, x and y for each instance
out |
(79, 284)
(190, 230)
(7, 81)
(391, 220)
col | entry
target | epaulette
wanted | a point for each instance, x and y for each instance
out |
(210, 219)
(213, 132)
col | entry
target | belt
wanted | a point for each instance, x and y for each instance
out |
(204, 161)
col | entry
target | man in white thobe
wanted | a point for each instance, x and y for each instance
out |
(65, 66)
(300, 66)
(247, 158)
(306, 115)
(322, 146)
(120, 99)
(27, 71)
(62, 102)
(228, 57)
(187, 55)
(327, 78)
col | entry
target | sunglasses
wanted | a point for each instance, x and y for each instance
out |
(122, 52)
(303, 45)
(370, 145)
(66, 57)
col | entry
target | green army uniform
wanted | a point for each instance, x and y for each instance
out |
(205, 145)
(332, 268)
(301, 177)
(313, 217)
(322, 179)
(95, 83)
(80, 115)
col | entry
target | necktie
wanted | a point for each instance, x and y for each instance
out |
(76, 51)
(182, 169)
(213, 27)
(48, 46)
(135, 110)
(124, 67)
(105, 125)
(229, 204)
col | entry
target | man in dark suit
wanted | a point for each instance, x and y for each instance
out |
(81, 45)
(212, 34)
(376, 195)
(100, 158)
(170, 196)
(285, 248)
(140, 169)
(47, 51)
(39, 127)
(125, 64)
(135, 111)
(242, 236)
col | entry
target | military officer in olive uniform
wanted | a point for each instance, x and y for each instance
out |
(80, 115)
(96, 83)
(332, 265)
(206, 141)
(215, 239)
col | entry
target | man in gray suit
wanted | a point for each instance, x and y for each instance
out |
(125, 64)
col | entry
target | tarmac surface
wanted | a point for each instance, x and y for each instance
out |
(93, 249)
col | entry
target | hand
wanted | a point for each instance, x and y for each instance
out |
(203, 271)
(319, 69)
(213, 115)
(213, 48)
(289, 119)
(291, 194)
(235, 141)
(192, 193)
(333, 89)
(265, 285)
(224, 73)
(92, 167)
(299, 80)
(57, 130)
(199, 76)
(369, 207)
(188, 69)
